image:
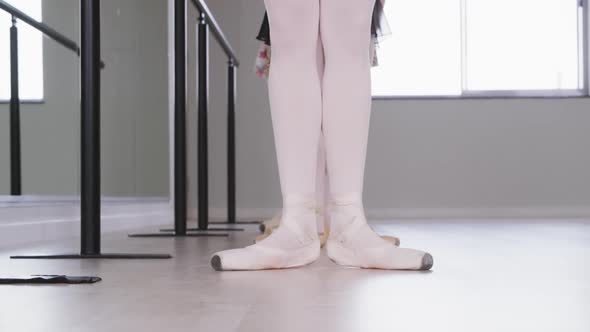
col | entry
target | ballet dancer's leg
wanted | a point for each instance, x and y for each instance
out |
(295, 103)
(321, 177)
(346, 88)
(322, 180)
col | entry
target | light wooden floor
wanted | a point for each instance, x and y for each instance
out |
(494, 275)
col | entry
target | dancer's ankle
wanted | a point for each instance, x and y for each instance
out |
(345, 207)
(346, 198)
(299, 213)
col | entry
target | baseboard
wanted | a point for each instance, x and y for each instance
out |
(427, 213)
(29, 222)
(482, 213)
(247, 214)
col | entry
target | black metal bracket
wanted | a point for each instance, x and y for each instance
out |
(96, 256)
(216, 229)
(175, 235)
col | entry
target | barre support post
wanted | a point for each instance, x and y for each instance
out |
(15, 146)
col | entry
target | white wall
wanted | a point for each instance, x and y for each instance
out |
(135, 97)
(50, 131)
(498, 157)
(134, 115)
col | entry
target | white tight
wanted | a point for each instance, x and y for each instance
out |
(304, 100)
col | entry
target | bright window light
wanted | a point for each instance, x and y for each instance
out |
(461, 47)
(30, 48)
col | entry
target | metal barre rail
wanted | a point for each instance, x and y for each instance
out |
(44, 28)
(216, 30)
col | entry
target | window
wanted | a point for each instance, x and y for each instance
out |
(482, 48)
(30, 49)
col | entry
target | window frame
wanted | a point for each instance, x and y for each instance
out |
(24, 101)
(584, 67)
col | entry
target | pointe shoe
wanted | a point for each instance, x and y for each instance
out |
(285, 247)
(372, 251)
(324, 237)
(268, 226)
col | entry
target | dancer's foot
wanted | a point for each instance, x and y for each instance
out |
(268, 226)
(294, 243)
(352, 242)
(324, 237)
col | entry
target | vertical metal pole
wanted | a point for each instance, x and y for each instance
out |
(203, 95)
(180, 173)
(231, 143)
(15, 151)
(90, 126)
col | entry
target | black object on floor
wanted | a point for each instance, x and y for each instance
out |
(50, 279)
